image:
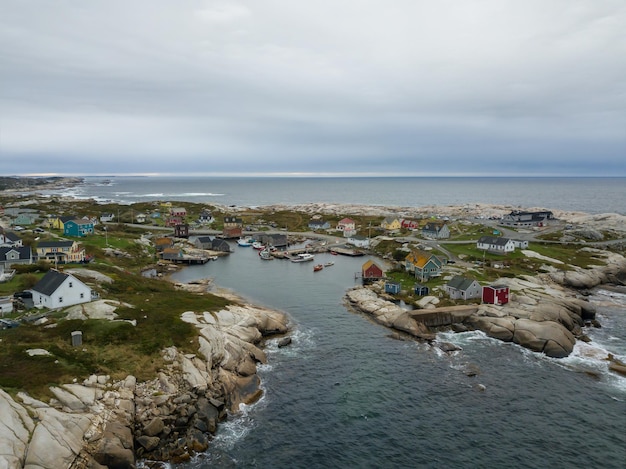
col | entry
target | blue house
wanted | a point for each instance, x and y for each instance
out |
(420, 290)
(392, 287)
(81, 227)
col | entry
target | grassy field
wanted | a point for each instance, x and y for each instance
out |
(115, 348)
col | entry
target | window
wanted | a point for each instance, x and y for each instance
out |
(71, 285)
(60, 299)
(82, 295)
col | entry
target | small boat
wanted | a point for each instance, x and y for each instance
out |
(266, 255)
(317, 267)
(328, 264)
(257, 245)
(303, 257)
(244, 242)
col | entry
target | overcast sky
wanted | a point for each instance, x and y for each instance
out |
(363, 87)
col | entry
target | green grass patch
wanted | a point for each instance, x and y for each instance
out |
(116, 348)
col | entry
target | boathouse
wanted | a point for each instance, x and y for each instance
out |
(370, 272)
(496, 294)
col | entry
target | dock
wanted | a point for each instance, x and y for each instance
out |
(191, 260)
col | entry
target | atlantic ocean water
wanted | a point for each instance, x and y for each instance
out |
(592, 195)
(347, 393)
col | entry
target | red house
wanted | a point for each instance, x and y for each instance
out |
(496, 294)
(410, 224)
(370, 271)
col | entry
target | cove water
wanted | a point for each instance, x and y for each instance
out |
(346, 393)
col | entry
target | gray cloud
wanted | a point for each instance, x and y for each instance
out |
(401, 87)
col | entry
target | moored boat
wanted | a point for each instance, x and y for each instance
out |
(266, 254)
(328, 264)
(258, 245)
(244, 242)
(305, 257)
(317, 267)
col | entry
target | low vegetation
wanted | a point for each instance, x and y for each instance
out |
(116, 348)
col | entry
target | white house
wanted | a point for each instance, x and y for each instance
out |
(359, 241)
(6, 305)
(58, 289)
(495, 244)
(520, 243)
(348, 226)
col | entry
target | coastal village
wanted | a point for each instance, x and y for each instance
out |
(81, 283)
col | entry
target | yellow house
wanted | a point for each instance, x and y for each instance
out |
(61, 251)
(58, 223)
(390, 224)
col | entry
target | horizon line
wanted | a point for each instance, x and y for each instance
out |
(315, 175)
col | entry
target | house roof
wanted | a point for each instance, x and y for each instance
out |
(497, 287)
(80, 221)
(459, 282)
(10, 236)
(434, 226)
(24, 252)
(419, 258)
(55, 244)
(369, 264)
(345, 221)
(498, 241)
(204, 239)
(50, 282)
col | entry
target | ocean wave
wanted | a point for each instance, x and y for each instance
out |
(592, 359)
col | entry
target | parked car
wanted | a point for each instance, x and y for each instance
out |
(39, 230)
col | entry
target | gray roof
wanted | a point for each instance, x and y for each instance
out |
(24, 252)
(498, 241)
(12, 236)
(55, 244)
(460, 283)
(50, 282)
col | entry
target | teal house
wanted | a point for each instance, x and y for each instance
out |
(79, 228)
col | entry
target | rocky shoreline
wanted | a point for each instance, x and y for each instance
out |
(546, 313)
(100, 423)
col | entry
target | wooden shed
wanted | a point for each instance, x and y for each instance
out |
(496, 294)
(392, 287)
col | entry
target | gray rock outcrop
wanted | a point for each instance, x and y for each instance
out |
(99, 423)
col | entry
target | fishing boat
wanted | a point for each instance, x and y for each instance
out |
(317, 267)
(328, 264)
(266, 254)
(244, 242)
(257, 245)
(305, 257)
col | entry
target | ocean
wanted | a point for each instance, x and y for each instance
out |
(591, 195)
(348, 393)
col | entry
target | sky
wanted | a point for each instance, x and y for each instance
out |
(330, 87)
